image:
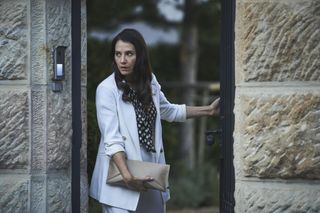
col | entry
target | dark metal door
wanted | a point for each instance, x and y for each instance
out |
(76, 103)
(227, 87)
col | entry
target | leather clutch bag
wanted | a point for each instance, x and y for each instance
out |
(159, 173)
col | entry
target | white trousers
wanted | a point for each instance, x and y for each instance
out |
(150, 201)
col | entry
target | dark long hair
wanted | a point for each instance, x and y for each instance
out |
(142, 69)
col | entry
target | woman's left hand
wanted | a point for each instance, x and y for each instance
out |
(198, 111)
(214, 107)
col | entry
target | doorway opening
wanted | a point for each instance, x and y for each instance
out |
(186, 48)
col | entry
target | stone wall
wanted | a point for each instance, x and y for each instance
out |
(36, 123)
(277, 106)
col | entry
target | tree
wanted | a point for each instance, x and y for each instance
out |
(189, 67)
(195, 16)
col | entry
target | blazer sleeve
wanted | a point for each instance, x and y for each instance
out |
(108, 121)
(169, 111)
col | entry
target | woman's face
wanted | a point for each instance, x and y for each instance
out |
(125, 57)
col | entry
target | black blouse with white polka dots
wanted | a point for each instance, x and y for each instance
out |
(145, 121)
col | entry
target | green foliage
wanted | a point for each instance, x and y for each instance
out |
(109, 14)
(194, 188)
(94, 206)
(93, 137)
(165, 61)
(99, 65)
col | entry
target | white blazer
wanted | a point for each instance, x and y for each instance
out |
(118, 128)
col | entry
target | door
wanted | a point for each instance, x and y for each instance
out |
(76, 103)
(227, 88)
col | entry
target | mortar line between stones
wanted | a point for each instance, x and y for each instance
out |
(295, 85)
(272, 1)
(30, 109)
(279, 181)
(44, 8)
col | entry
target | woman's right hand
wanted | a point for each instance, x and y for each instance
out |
(132, 182)
(137, 183)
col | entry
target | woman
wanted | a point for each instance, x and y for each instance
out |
(129, 106)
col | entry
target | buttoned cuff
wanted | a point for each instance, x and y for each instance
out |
(113, 149)
(182, 113)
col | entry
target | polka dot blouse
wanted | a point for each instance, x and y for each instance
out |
(145, 121)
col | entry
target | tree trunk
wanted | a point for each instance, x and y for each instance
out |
(189, 63)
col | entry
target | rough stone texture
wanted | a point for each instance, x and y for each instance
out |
(278, 41)
(279, 135)
(38, 119)
(59, 22)
(38, 193)
(59, 33)
(59, 193)
(13, 39)
(59, 104)
(59, 130)
(14, 135)
(83, 43)
(84, 129)
(35, 123)
(83, 154)
(84, 176)
(13, 194)
(39, 51)
(84, 194)
(277, 197)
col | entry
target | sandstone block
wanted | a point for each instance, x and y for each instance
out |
(59, 104)
(59, 130)
(277, 197)
(83, 43)
(13, 194)
(278, 41)
(38, 123)
(278, 135)
(84, 193)
(59, 193)
(39, 50)
(13, 39)
(59, 32)
(83, 150)
(38, 193)
(14, 134)
(59, 22)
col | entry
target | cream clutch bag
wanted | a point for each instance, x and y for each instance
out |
(159, 172)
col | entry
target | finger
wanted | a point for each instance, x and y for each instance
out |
(144, 187)
(217, 100)
(147, 179)
(143, 179)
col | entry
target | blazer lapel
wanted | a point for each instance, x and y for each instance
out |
(129, 121)
(155, 98)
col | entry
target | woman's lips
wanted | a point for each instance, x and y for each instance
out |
(124, 68)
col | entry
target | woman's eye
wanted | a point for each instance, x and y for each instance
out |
(118, 54)
(130, 53)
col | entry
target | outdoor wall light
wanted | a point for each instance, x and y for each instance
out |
(58, 68)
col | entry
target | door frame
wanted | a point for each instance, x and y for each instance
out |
(227, 91)
(76, 103)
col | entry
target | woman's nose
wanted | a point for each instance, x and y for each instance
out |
(123, 59)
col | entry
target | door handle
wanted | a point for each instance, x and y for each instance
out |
(210, 135)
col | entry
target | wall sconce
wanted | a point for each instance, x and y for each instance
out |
(58, 68)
